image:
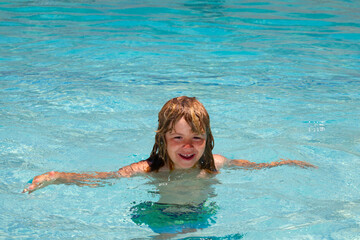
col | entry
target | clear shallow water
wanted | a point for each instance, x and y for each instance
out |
(82, 82)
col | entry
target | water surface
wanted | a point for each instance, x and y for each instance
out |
(82, 83)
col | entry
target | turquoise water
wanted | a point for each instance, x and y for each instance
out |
(82, 82)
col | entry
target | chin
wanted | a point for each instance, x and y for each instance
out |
(186, 166)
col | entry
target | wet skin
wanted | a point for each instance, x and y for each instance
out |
(184, 147)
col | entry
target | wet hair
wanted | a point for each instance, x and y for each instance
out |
(198, 119)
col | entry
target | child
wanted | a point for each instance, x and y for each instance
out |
(183, 142)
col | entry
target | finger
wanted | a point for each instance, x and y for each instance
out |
(27, 189)
(33, 187)
(36, 183)
(311, 165)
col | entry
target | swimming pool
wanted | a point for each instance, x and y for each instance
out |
(82, 83)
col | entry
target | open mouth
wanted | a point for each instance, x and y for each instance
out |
(187, 156)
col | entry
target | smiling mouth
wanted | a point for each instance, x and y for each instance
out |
(187, 156)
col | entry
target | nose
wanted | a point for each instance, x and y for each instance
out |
(188, 144)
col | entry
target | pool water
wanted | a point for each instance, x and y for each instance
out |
(82, 82)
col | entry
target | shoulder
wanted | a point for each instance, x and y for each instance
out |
(220, 161)
(141, 167)
(134, 168)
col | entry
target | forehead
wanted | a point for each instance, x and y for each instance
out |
(182, 126)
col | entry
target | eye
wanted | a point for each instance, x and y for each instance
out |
(198, 138)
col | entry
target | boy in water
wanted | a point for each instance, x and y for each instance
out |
(183, 142)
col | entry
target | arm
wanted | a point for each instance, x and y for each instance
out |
(221, 161)
(84, 179)
(252, 165)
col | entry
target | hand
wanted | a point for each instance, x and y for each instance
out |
(41, 181)
(301, 164)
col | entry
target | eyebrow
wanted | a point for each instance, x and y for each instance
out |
(174, 133)
(196, 134)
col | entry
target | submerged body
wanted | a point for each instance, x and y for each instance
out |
(183, 202)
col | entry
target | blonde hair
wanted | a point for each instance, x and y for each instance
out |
(198, 119)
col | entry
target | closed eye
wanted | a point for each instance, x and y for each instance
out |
(198, 138)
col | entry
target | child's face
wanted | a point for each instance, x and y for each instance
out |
(184, 147)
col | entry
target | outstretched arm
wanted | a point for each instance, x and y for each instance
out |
(221, 161)
(84, 179)
(252, 165)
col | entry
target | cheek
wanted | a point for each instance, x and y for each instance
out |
(170, 146)
(200, 143)
(200, 146)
